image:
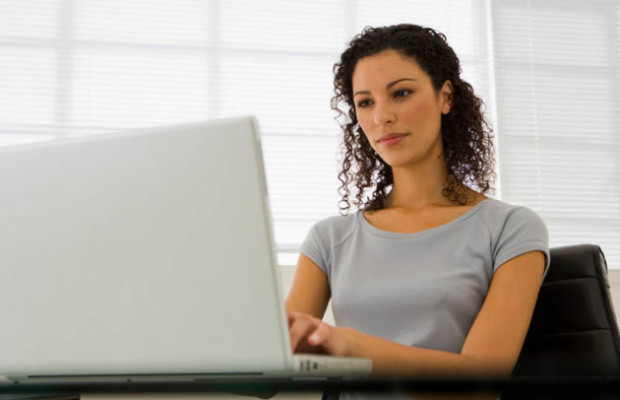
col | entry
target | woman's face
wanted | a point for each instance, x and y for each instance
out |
(398, 109)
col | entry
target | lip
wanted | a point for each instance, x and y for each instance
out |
(392, 139)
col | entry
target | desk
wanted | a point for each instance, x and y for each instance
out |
(524, 388)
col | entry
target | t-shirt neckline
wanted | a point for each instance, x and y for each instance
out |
(380, 232)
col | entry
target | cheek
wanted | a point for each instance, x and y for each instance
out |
(422, 113)
(365, 122)
(363, 119)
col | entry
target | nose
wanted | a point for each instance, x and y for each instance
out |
(383, 114)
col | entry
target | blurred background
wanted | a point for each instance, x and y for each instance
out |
(548, 72)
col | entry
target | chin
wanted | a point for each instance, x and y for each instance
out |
(396, 161)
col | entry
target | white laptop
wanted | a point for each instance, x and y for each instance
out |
(144, 254)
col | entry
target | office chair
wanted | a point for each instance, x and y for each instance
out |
(573, 330)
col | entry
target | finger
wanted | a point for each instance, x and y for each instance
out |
(300, 329)
(302, 326)
(320, 334)
(290, 316)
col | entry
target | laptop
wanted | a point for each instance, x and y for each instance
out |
(140, 254)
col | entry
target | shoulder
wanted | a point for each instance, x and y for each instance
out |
(335, 229)
(515, 229)
(324, 236)
(498, 214)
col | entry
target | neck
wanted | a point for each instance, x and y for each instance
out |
(420, 185)
(415, 189)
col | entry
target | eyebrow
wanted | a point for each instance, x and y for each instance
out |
(389, 85)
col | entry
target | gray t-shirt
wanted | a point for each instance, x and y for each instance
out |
(421, 289)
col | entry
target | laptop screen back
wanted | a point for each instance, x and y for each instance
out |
(145, 252)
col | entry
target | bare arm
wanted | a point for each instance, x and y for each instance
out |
(310, 292)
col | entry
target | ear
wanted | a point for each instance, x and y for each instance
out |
(446, 97)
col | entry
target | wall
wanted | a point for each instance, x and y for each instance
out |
(614, 282)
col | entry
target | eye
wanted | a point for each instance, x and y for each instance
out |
(402, 93)
(363, 103)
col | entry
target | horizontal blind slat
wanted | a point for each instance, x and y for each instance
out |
(559, 137)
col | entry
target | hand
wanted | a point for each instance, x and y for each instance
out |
(311, 335)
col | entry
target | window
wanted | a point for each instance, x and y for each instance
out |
(78, 67)
(558, 123)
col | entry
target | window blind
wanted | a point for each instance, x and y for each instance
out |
(557, 115)
(78, 67)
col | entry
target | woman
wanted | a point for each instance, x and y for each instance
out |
(431, 277)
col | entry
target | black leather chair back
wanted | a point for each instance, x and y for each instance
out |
(573, 331)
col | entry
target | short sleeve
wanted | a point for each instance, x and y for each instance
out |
(314, 249)
(523, 231)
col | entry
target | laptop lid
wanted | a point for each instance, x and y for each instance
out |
(143, 252)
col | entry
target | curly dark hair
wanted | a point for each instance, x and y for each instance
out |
(467, 137)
